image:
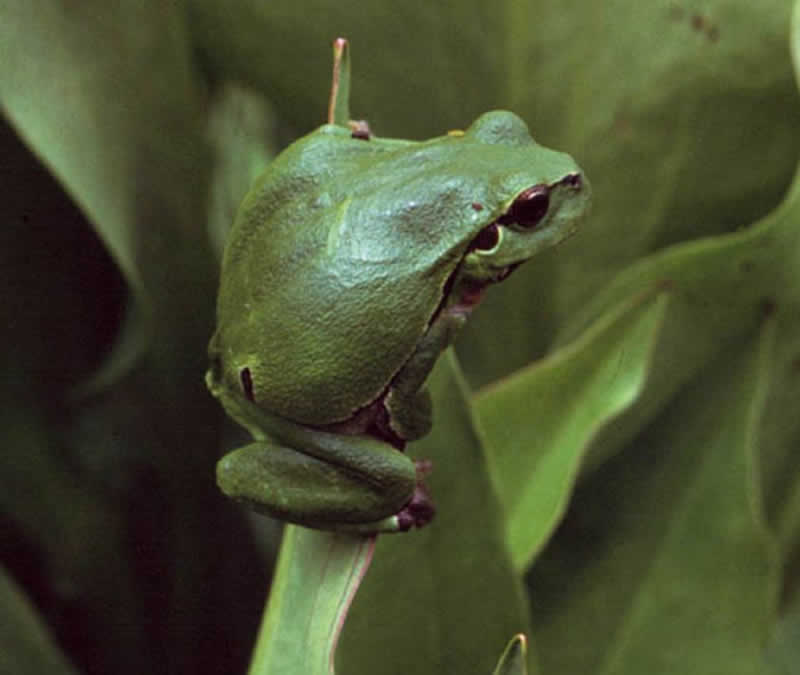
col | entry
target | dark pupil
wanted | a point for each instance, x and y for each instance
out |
(487, 238)
(529, 208)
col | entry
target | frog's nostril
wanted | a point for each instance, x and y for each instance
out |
(574, 181)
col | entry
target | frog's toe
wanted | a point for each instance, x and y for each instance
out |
(419, 511)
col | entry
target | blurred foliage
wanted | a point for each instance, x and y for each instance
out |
(615, 468)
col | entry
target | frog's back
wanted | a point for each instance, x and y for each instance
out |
(309, 299)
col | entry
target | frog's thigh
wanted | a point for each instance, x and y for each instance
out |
(288, 484)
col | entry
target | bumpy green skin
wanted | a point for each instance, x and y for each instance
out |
(348, 270)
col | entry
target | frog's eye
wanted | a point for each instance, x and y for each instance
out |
(529, 208)
(486, 239)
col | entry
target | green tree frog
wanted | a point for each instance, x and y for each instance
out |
(351, 265)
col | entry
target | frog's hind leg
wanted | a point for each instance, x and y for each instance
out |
(369, 488)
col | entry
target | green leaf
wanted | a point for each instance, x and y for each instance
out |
(317, 576)
(540, 421)
(443, 599)
(114, 102)
(403, 58)
(51, 512)
(779, 438)
(665, 563)
(783, 652)
(513, 659)
(26, 646)
(721, 287)
(241, 131)
(119, 121)
(780, 433)
(684, 121)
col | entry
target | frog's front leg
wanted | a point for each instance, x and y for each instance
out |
(336, 482)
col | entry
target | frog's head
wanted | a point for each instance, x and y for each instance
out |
(536, 198)
(540, 216)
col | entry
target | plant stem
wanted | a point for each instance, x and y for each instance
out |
(317, 576)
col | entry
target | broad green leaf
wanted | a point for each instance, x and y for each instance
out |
(443, 599)
(317, 576)
(112, 100)
(540, 420)
(26, 646)
(118, 117)
(721, 287)
(57, 325)
(684, 116)
(665, 563)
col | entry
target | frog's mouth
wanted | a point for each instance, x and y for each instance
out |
(503, 273)
(462, 292)
(505, 243)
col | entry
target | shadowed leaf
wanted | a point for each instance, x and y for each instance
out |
(540, 420)
(665, 563)
(26, 646)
